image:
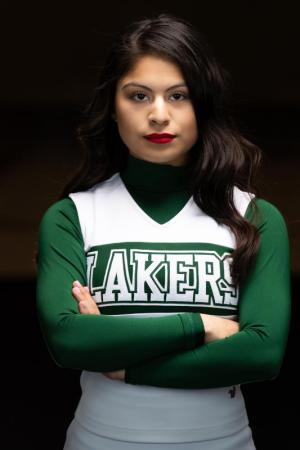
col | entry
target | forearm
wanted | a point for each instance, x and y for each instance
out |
(215, 328)
(257, 351)
(245, 357)
(104, 343)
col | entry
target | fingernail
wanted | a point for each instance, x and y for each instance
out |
(76, 283)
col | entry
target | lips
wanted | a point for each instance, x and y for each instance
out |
(160, 135)
(161, 138)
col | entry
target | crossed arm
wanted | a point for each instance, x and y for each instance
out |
(214, 327)
(172, 350)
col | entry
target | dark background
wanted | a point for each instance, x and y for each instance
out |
(50, 56)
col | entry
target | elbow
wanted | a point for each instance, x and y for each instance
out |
(270, 371)
(61, 357)
(266, 353)
(61, 348)
(59, 354)
(271, 362)
(64, 353)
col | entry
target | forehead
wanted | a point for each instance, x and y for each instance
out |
(154, 71)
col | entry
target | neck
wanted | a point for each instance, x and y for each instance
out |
(156, 177)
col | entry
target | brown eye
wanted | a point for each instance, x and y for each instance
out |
(181, 95)
(138, 96)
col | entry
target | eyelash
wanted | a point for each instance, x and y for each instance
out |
(185, 96)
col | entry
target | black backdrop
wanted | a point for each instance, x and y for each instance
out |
(49, 60)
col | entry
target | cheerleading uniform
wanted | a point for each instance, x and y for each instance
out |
(153, 260)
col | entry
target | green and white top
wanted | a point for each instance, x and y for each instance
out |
(153, 261)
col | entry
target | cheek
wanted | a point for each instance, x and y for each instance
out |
(191, 125)
(121, 110)
(127, 115)
(127, 125)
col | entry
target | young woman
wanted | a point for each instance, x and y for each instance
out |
(161, 275)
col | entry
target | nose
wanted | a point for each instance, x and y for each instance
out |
(159, 112)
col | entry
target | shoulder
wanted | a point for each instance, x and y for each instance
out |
(59, 236)
(93, 203)
(261, 212)
(58, 211)
(60, 216)
(269, 221)
(101, 188)
(256, 209)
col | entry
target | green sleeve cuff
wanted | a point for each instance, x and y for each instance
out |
(193, 329)
(194, 333)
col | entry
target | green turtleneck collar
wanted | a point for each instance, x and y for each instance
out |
(155, 177)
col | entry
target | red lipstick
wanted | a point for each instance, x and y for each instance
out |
(160, 138)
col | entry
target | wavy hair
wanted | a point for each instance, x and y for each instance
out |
(221, 158)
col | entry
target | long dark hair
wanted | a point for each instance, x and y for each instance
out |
(221, 159)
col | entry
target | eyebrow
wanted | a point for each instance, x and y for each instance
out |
(149, 89)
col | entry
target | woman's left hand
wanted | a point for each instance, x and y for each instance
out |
(116, 375)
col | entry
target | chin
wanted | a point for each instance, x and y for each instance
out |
(162, 160)
(161, 156)
(177, 160)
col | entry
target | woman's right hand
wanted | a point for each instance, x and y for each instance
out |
(218, 328)
(86, 303)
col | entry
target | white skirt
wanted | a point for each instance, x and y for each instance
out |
(79, 438)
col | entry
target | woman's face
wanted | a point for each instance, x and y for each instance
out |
(154, 98)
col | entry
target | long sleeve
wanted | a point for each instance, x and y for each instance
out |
(254, 353)
(95, 343)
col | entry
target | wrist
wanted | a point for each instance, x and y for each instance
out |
(208, 328)
(218, 327)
